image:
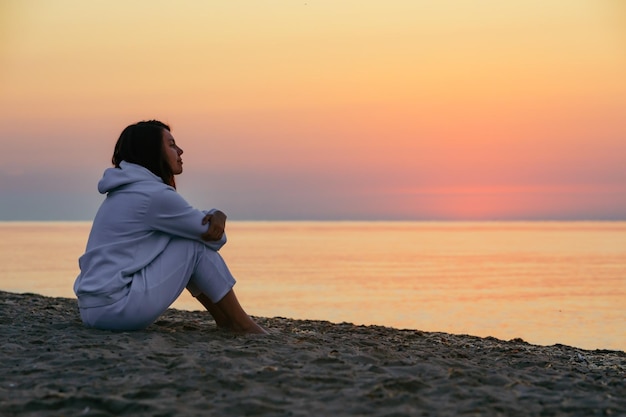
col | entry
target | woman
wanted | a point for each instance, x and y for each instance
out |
(147, 244)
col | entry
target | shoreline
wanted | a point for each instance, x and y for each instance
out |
(184, 365)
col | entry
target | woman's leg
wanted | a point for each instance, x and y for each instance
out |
(220, 318)
(184, 263)
(211, 283)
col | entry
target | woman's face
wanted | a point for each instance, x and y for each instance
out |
(172, 153)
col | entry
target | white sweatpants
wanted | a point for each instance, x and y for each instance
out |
(183, 263)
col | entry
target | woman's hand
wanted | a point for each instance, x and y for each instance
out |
(217, 224)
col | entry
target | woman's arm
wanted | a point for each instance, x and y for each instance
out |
(170, 213)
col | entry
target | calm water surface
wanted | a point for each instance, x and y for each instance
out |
(544, 282)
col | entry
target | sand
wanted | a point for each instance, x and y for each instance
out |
(51, 365)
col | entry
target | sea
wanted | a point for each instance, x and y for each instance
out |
(544, 282)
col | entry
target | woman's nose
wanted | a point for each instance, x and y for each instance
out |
(180, 150)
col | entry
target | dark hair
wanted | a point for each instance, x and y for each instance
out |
(142, 144)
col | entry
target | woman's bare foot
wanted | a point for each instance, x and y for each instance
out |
(229, 315)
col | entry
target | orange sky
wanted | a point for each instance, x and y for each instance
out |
(481, 110)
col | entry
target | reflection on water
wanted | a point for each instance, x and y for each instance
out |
(544, 282)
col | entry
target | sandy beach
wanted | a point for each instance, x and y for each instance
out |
(51, 365)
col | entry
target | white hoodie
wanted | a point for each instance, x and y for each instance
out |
(134, 224)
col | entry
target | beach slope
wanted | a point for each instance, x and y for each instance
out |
(51, 365)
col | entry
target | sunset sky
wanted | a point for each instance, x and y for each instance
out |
(333, 109)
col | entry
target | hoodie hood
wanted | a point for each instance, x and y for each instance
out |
(126, 174)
